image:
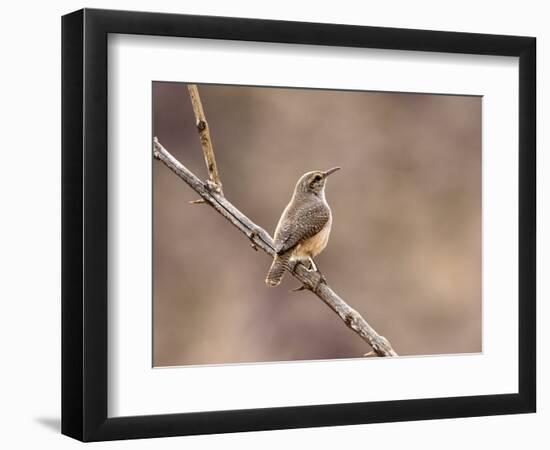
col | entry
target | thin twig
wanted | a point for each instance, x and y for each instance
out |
(261, 239)
(206, 140)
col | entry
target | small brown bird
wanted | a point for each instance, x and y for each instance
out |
(304, 227)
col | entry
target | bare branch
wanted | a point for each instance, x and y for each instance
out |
(261, 239)
(206, 140)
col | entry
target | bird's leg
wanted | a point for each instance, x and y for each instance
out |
(312, 266)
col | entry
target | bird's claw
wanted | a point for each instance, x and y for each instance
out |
(320, 280)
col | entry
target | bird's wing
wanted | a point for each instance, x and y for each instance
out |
(300, 224)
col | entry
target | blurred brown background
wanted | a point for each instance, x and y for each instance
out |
(405, 247)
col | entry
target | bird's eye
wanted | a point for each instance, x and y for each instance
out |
(317, 178)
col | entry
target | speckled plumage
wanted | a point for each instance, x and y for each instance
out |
(300, 221)
(304, 227)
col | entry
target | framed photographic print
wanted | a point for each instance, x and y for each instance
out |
(273, 224)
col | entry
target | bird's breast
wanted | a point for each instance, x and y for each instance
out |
(314, 245)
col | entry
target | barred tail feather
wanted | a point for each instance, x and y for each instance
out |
(277, 270)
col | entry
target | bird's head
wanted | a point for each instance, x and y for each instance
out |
(314, 182)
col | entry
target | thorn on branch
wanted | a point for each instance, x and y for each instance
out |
(198, 201)
(303, 287)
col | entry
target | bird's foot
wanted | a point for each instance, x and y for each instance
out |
(320, 280)
(292, 265)
(312, 268)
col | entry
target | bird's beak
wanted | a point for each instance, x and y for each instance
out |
(329, 171)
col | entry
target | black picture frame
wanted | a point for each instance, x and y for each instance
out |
(84, 224)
